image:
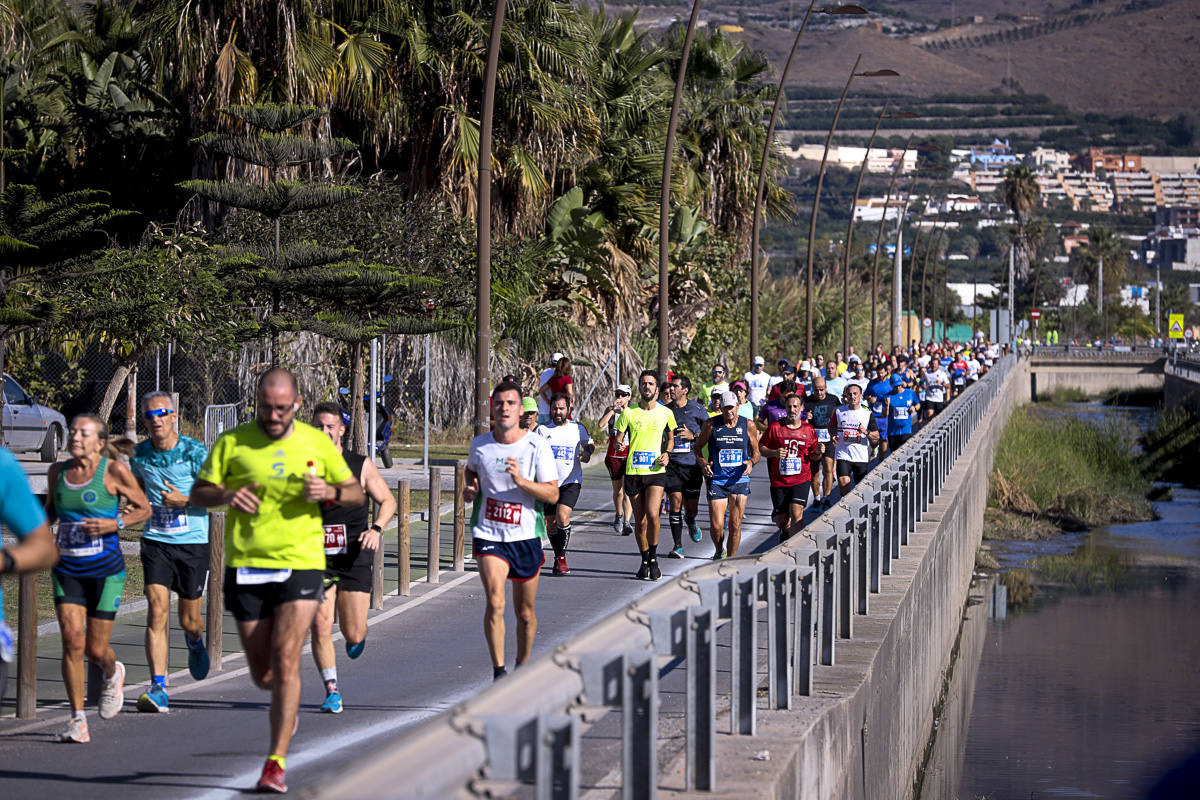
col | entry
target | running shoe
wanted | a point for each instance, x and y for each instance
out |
(113, 696)
(154, 700)
(695, 532)
(77, 731)
(271, 781)
(355, 650)
(676, 553)
(628, 529)
(198, 662)
(332, 704)
(560, 566)
(643, 571)
(717, 556)
(618, 523)
(655, 572)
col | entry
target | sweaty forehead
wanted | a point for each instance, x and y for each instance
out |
(277, 391)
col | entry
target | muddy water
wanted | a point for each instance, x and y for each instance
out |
(1086, 682)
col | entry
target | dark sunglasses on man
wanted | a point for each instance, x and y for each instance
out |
(155, 413)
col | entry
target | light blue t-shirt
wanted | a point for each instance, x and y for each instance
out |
(20, 511)
(177, 466)
(836, 386)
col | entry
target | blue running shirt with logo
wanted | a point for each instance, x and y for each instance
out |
(178, 466)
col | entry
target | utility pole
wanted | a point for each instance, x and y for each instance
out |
(1158, 299)
(1012, 320)
(897, 279)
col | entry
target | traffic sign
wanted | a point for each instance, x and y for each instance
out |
(1187, 334)
(1175, 330)
(1036, 313)
(927, 322)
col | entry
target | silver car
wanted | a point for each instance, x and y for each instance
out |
(29, 426)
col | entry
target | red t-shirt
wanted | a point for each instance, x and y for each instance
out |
(799, 448)
(559, 384)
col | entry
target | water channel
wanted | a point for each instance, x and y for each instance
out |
(1078, 672)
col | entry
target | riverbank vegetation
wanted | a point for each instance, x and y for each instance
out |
(1055, 471)
(1169, 449)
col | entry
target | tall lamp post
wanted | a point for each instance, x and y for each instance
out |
(755, 259)
(483, 281)
(850, 230)
(812, 223)
(664, 212)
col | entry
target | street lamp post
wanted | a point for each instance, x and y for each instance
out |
(664, 212)
(887, 200)
(755, 258)
(483, 281)
(812, 224)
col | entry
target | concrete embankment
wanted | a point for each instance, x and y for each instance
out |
(861, 735)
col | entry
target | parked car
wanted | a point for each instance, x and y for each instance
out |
(30, 426)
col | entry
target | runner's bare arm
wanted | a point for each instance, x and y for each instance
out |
(377, 488)
(119, 480)
(36, 551)
(209, 495)
(545, 492)
(470, 487)
(347, 493)
(754, 454)
(698, 447)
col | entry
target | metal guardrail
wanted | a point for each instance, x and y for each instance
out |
(1186, 367)
(1130, 353)
(528, 728)
(217, 420)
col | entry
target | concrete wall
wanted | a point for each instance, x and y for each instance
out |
(1181, 388)
(861, 735)
(1094, 378)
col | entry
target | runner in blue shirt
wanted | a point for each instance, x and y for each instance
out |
(21, 515)
(684, 478)
(877, 397)
(903, 408)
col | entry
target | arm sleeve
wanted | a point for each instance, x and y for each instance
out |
(199, 455)
(19, 509)
(473, 459)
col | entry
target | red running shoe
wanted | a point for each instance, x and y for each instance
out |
(560, 566)
(271, 781)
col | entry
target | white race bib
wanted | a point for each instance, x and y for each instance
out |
(335, 539)
(899, 412)
(731, 459)
(822, 435)
(165, 519)
(791, 466)
(959, 381)
(643, 459)
(563, 452)
(249, 576)
(75, 542)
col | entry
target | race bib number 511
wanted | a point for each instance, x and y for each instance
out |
(501, 512)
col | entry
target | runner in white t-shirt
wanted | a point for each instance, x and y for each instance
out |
(937, 383)
(854, 430)
(510, 473)
(572, 446)
(757, 384)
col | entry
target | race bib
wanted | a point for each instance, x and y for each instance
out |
(563, 452)
(791, 466)
(851, 433)
(75, 542)
(502, 513)
(731, 459)
(335, 539)
(822, 435)
(250, 576)
(959, 381)
(165, 519)
(682, 445)
(643, 459)
(899, 412)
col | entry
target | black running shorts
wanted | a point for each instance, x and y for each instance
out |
(685, 479)
(854, 470)
(568, 495)
(182, 568)
(248, 602)
(636, 484)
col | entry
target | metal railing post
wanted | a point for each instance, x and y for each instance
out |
(701, 740)
(558, 742)
(214, 620)
(846, 548)
(829, 587)
(744, 655)
(863, 561)
(779, 621)
(804, 650)
(879, 550)
(403, 539)
(639, 735)
(434, 521)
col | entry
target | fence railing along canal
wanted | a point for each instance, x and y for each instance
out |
(529, 728)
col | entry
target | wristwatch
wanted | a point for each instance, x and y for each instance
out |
(375, 528)
(337, 494)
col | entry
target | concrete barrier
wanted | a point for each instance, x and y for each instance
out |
(1095, 376)
(861, 735)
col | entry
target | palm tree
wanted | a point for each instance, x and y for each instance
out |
(1021, 192)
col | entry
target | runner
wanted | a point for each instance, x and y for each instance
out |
(719, 382)
(614, 461)
(732, 443)
(350, 546)
(791, 447)
(684, 478)
(540, 405)
(645, 468)
(775, 409)
(174, 547)
(510, 474)
(89, 578)
(572, 446)
(22, 515)
(903, 409)
(560, 382)
(958, 375)
(855, 430)
(783, 367)
(937, 383)
(877, 394)
(820, 411)
(274, 473)
(745, 407)
(530, 414)
(835, 383)
(758, 382)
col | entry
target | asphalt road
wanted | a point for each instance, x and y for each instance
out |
(424, 654)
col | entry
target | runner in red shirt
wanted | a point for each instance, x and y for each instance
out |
(790, 446)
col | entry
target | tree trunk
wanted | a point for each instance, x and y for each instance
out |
(114, 390)
(358, 432)
(3, 371)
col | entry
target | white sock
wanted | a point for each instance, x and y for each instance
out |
(329, 674)
(80, 715)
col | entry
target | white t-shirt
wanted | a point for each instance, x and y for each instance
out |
(935, 390)
(973, 369)
(543, 379)
(775, 381)
(759, 383)
(503, 512)
(924, 359)
(851, 445)
(566, 442)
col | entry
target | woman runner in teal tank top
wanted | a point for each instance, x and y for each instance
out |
(90, 576)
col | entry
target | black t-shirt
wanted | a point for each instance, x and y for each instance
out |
(821, 413)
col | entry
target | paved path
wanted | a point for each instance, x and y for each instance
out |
(425, 653)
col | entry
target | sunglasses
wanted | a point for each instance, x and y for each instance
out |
(622, 394)
(156, 413)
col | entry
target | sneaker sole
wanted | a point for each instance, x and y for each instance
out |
(146, 705)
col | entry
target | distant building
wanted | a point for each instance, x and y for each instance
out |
(1166, 165)
(1178, 189)
(1135, 187)
(880, 160)
(1177, 216)
(871, 209)
(1174, 248)
(1095, 159)
(1071, 241)
(1074, 294)
(1045, 158)
(997, 155)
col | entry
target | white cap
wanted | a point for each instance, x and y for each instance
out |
(759, 360)
(623, 387)
(806, 366)
(554, 358)
(728, 400)
(853, 357)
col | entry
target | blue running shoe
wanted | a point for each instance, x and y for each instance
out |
(676, 553)
(695, 533)
(198, 662)
(355, 650)
(333, 703)
(154, 701)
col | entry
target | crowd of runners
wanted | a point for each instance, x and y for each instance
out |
(299, 541)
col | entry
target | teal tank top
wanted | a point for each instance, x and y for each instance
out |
(82, 555)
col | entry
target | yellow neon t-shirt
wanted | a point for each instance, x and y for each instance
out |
(646, 430)
(286, 532)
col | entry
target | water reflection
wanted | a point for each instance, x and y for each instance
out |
(1088, 688)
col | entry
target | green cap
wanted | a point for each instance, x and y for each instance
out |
(528, 404)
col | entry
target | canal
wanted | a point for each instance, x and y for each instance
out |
(1078, 666)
